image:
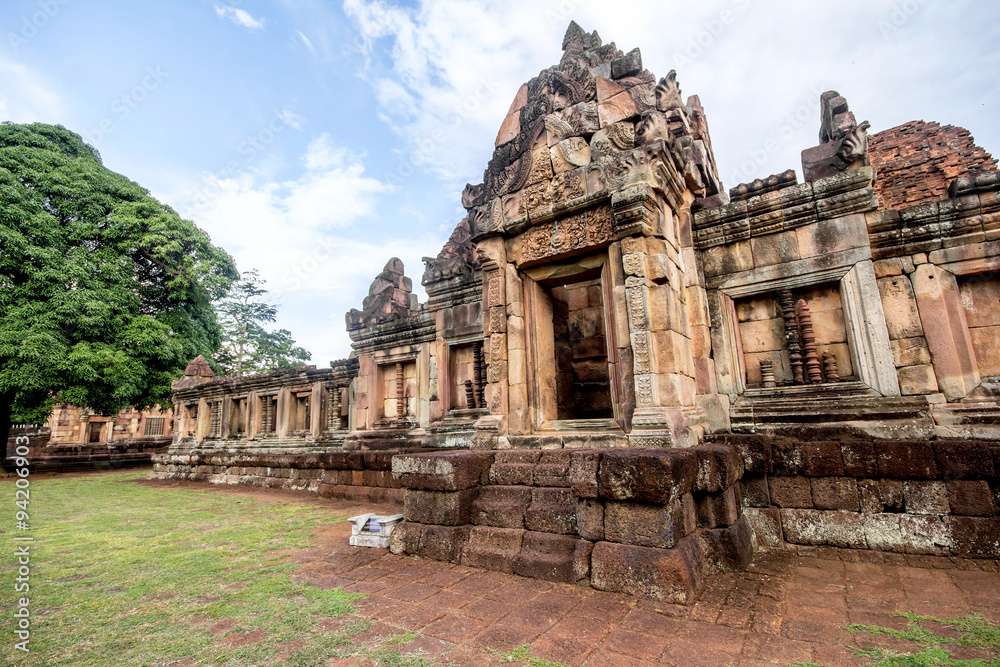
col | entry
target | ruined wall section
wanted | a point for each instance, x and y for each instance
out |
(934, 498)
(917, 161)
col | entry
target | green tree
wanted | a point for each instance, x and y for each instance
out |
(105, 293)
(247, 346)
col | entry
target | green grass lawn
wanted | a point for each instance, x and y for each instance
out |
(127, 574)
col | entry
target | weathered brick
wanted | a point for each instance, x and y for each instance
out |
(719, 467)
(583, 473)
(971, 498)
(441, 471)
(445, 508)
(816, 527)
(671, 575)
(755, 492)
(925, 497)
(590, 519)
(561, 558)
(500, 506)
(647, 476)
(974, 536)
(905, 460)
(552, 510)
(835, 493)
(963, 459)
(790, 491)
(787, 458)
(822, 459)
(718, 510)
(859, 459)
(643, 525)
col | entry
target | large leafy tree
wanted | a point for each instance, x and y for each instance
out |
(105, 293)
(248, 347)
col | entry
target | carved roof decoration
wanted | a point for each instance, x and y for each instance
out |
(457, 256)
(390, 298)
(197, 372)
(570, 132)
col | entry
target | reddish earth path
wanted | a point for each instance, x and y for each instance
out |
(788, 607)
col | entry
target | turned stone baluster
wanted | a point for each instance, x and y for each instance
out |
(767, 373)
(400, 394)
(830, 372)
(333, 418)
(479, 375)
(813, 369)
(792, 336)
(470, 395)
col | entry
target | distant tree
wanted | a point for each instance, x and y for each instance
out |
(105, 293)
(247, 346)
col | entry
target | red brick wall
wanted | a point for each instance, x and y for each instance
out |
(916, 162)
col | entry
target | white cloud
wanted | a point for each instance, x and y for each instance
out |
(290, 118)
(238, 16)
(453, 67)
(25, 98)
(308, 44)
(304, 238)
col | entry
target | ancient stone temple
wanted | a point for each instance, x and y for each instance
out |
(626, 374)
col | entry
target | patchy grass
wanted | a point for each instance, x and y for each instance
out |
(126, 574)
(522, 655)
(931, 647)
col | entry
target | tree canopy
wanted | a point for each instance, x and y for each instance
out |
(105, 292)
(248, 347)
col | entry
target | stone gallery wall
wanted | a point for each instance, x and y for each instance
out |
(364, 476)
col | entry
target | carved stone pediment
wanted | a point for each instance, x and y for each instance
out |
(457, 257)
(390, 298)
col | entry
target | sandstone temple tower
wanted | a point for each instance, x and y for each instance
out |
(627, 374)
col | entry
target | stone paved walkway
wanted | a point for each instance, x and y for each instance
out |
(789, 607)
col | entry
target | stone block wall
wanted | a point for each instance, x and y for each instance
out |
(357, 475)
(935, 497)
(648, 522)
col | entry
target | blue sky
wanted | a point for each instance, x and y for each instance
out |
(314, 140)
